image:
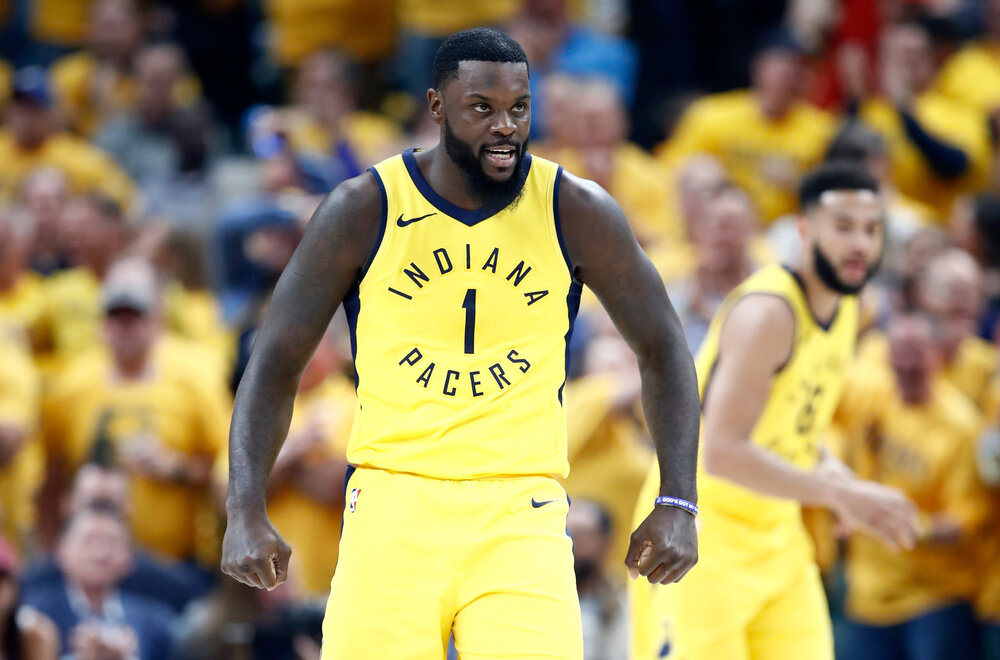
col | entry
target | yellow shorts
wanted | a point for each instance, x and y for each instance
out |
(420, 559)
(717, 615)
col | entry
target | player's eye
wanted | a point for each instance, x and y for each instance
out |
(520, 107)
(481, 107)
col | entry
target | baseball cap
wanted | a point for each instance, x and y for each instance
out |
(32, 84)
(135, 294)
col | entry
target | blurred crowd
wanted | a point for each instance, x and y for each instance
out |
(159, 161)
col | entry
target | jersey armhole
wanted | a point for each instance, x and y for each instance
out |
(382, 223)
(718, 353)
(557, 221)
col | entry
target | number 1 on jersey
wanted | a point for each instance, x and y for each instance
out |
(469, 305)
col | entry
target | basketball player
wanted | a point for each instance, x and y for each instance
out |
(460, 269)
(771, 372)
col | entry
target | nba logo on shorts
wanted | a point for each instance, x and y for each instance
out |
(354, 498)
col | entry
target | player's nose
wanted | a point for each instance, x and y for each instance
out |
(504, 124)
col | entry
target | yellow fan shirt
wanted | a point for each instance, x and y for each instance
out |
(945, 119)
(763, 156)
(182, 406)
(928, 452)
(22, 475)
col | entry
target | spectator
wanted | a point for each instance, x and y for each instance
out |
(325, 121)
(589, 128)
(94, 233)
(165, 148)
(25, 633)
(96, 84)
(21, 301)
(31, 140)
(975, 226)
(423, 27)
(608, 446)
(45, 194)
(100, 485)
(305, 499)
(917, 433)
(151, 402)
(95, 618)
(950, 290)
(556, 44)
(21, 459)
(602, 600)
(972, 75)
(765, 137)
(937, 147)
(722, 241)
(301, 28)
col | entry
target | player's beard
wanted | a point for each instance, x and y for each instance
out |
(828, 274)
(478, 184)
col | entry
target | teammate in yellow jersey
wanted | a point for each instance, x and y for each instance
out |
(460, 268)
(771, 370)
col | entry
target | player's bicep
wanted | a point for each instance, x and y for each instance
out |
(607, 258)
(337, 243)
(755, 341)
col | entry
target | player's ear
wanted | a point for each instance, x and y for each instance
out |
(802, 224)
(435, 103)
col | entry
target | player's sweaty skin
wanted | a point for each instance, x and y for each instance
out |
(341, 235)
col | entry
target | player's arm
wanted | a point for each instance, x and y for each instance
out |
(340, 237)
(756, 340)
(605, 255)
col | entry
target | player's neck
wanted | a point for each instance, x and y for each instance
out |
(822, 300)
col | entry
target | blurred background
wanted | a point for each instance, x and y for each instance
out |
(159, 160)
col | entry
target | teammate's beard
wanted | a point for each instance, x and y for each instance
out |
(478, 184)
(828, 274)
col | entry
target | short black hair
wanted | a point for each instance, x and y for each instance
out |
(475, 45)
(834, 175)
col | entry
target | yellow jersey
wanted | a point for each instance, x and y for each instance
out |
(184, 407)
(439, 18)
(22, 475)
(972, 76)
(927, 452)
(22, 306)
(946, 119)
(765, 157)
(640, 183)
(803, 397)
(85, 106)
(460, 326)
(87, 168)
(299, 28)
(62, 22)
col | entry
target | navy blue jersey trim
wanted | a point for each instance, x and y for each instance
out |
(573, 306)
(382, 224)
(558, 220)
(464, 216)
(802, 287)
(352, 307)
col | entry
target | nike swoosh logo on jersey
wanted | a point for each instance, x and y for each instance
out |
(540, 504)
(402, 223)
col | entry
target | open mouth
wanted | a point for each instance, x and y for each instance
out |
(501, 156)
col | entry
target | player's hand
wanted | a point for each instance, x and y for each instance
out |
(664, 547)
(883, 511)
(253, 552)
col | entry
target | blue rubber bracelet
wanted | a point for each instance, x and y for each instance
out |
(665, 500)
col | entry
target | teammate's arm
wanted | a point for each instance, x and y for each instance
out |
(336, 244)
(606, 256)
(756, 340)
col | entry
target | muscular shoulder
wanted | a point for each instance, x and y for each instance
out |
(347, 222)
(760, 327)
(589, 217)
